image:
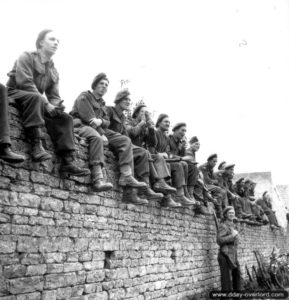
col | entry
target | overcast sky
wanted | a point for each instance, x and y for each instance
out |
(222, 66)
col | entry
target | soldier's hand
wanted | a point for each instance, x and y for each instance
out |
(97, 122)
(164, 155)
(105, 140)
(51, 110)
(234, 232)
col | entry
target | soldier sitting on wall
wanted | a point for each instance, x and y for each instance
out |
(177, 167)
(118, 123)
(212, 183)
(5, 143)
(142, 132)
(92, 122)
(266, 203)
(34, 74)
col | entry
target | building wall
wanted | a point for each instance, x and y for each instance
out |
(60, 241)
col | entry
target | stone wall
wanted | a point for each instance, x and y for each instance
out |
(60, 241)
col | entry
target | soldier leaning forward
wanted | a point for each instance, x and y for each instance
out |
(92, 122)
(32, 75)
(142, 133)
(118, 123)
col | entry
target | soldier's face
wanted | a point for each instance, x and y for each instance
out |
(165, 124)
(195, 146)
(213, 162)
(101, 87)
(125, 103)
(231, 215)
(230, 172)
(181, 132)
(50, 43)
(142, 112)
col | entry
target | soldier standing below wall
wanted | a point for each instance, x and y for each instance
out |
(5, 143)
(227, 239)
(118, 123)
(177, 171)
(32, 75)
(92, 122)
(142, 132)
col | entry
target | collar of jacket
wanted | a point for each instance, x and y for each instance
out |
(44, 59)
(98, 101)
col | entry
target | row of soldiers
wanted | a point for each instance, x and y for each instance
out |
(152, 163)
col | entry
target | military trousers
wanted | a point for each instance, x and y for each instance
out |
(178, 174)
(159, 169)
(4, 117)
(59, 127)
(193, 174)
(230, 278)
(220, 194)
(141, 162)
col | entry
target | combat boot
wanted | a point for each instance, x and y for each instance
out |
(8, 155)
(188, 195)
(37, 153)
(69, 167)
(169, 202)
(182, 199)
(202, 209)
(162, 187)
(130, 181)
(98, 183)
(149, 193)
(130, 196)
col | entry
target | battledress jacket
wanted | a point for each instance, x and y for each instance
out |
(228, 244)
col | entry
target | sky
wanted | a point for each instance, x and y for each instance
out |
(220, 66)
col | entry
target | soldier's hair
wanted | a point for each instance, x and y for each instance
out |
(41, 37)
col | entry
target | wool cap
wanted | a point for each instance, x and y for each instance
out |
(212, 156)
(121, 95)
(240, 179)
(248, 180)
(221, 165)
(193, 140)
(227, 209)
(137, 110)
(160, 118)
(97, 79)
(178, 126)
(41, 36)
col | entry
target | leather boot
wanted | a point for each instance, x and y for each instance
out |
(202, 209)
(162, 187)
(149, 193)
(169, 202)
(130, 196)
(38, 153)
(69, 167)
(182, 199)
(189, 196)
(130, 181)
(8, 155)
(98, 183)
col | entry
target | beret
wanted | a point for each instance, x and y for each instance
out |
(221, 165)
(240, 179)
(97, 79)
(193, 140)
(248, 180)
(227, 209)
(264, 194)
(121, 95)
(228, 166)
(212, 156)
(137, 110)
(179, 125)
(160, 118)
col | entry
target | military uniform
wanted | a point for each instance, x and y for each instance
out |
(140, 156)
(31, 76)
(227, 257)
(177, 169)
(267, 208)
(87, 107)
(145, 137)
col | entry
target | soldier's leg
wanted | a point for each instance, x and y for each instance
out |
(32, 106)
(123, 147)
(179, 182)
(96, 158)
(236, 278)
(5, 142)
(193, 174)
(226, 279)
